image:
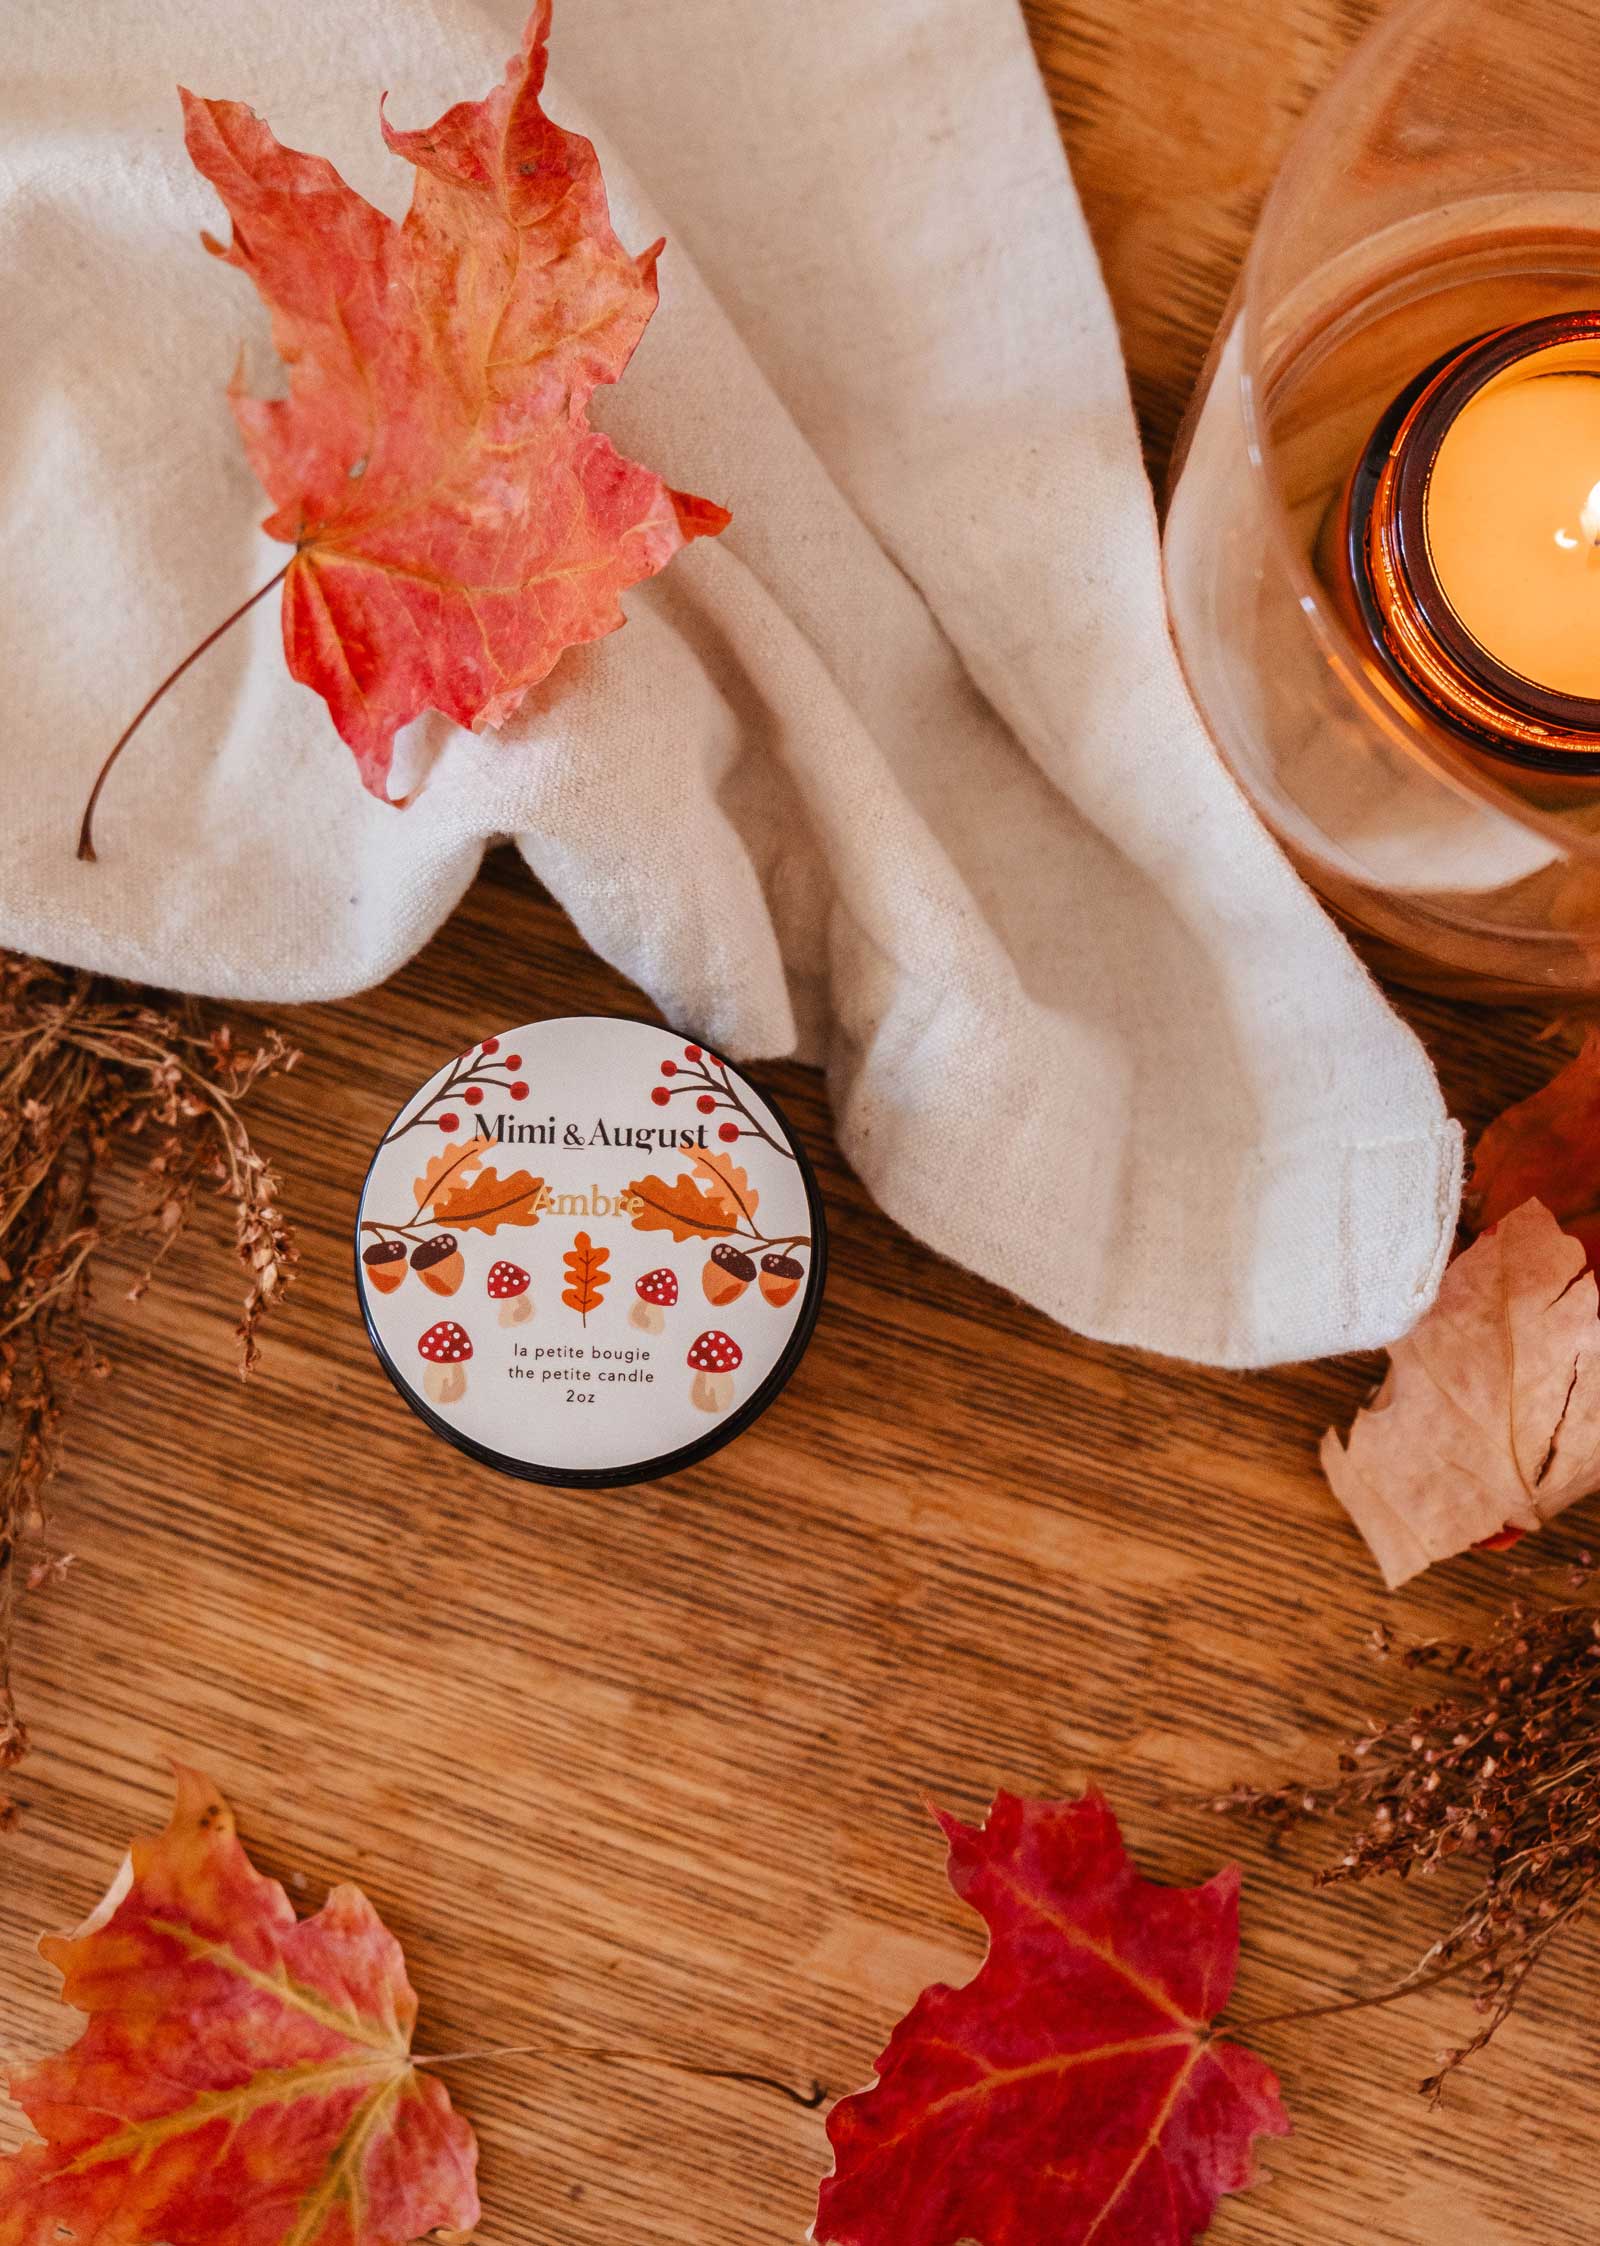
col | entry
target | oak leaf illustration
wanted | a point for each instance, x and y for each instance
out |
(449, 1167)
(1488, 1418)
(721, 1174)
(243, 2075)
(1073, 2088)
(1546, 1148)
(587, 1276)
(456, 523)
(686, 1208)
(487, 1200)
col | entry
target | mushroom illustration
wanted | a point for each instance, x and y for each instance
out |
(444, 1349)
(657, 1291)
(385, 1263)
(508, 1286)
(780, 1275)
(713, 1360)
(437, 1263)
(727, 1274)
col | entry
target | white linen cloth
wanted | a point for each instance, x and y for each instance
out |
(899, 772)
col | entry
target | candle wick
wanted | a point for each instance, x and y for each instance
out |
(1589, 519)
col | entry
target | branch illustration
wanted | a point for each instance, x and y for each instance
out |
(468, 1077)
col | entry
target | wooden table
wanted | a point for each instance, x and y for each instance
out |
(647, 1770)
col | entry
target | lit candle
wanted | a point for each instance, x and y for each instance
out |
(1472, 541)
(1513, 517)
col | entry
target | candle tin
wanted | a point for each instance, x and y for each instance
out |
(589, 1252)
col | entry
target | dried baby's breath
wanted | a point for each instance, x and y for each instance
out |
(104, 1091)
(1500, 1774)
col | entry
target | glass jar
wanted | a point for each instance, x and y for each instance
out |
(1445, 190)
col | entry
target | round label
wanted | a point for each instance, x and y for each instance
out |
(589, 1252)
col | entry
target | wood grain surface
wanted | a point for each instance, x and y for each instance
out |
(647, 1770)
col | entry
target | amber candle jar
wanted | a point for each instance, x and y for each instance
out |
(1380, 548)
(1466, 546)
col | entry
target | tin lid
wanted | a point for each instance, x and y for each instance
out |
(589, 1252)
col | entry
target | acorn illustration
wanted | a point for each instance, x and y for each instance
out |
(780, 1275)
(385, 1263)
(727, 1274)
(444, 1349)
(657, 1292)
(437, 1263)
(714, 1359)
(508, 1286)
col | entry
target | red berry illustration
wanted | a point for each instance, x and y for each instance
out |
(691, 1052)
(706, 1104)
(661, 1095)
(669, 1068)
(519, 1091)
(490, 1045)
(473, 1095)
(512, 1060)
(727, 1132)
(449, 1122)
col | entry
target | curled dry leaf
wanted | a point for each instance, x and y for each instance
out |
(456, 523)
(1547, 1149)
(243, 2075)
(1489, 1415)
(1074, 2089)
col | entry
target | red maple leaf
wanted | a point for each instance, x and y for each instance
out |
(244, 2075)
(1072, 2091)
(456, 522)
(1546, 1148)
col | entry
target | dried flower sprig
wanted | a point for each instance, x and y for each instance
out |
(96, 1080)
(1501, 1774)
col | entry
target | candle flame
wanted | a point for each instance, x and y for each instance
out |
(1589, 519)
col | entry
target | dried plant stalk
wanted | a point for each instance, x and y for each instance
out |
(1500, 1774)
(96, 1080)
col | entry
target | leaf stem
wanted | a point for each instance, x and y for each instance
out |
(808, 2100)
(1411, 1986)
(86, 850)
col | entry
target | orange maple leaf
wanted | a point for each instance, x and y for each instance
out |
(243, 2073)
(587, 1275)
(488, 1201)
(456, 523)
(687, 1210)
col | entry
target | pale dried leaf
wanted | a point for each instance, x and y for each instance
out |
(1489, 1416)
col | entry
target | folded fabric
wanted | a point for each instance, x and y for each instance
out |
(899, 773)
